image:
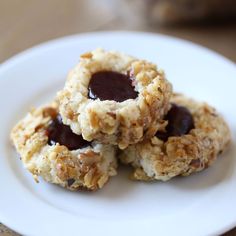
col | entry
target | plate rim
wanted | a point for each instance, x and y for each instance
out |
(48, 43)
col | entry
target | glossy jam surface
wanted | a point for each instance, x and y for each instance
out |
(180, 122)
(59, 133)
(109, 85)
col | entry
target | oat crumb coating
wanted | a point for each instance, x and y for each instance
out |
(157, 160)
(86, 168)
(112, 122)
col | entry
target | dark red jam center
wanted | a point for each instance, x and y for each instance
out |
(180, 122)
(59, 133)
(109, 85)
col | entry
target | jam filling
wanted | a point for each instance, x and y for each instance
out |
(59, 133)
(109, 85)
(180, 122)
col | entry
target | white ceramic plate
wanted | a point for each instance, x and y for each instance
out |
(201, 204)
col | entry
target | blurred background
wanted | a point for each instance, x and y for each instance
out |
(25, 23)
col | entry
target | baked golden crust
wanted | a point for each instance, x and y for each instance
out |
(112, 122)
(155, 159)
(88, 168)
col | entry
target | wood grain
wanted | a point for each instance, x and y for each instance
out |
(25, 23)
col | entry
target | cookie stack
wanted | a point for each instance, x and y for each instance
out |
(117, 107)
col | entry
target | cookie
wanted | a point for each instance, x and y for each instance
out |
(114, 98)
(49, 149)
(192, 138)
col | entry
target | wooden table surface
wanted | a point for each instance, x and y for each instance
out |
(25, 23)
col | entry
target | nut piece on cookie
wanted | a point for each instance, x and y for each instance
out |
(49, 149)
(114, 98)
(191, 141)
